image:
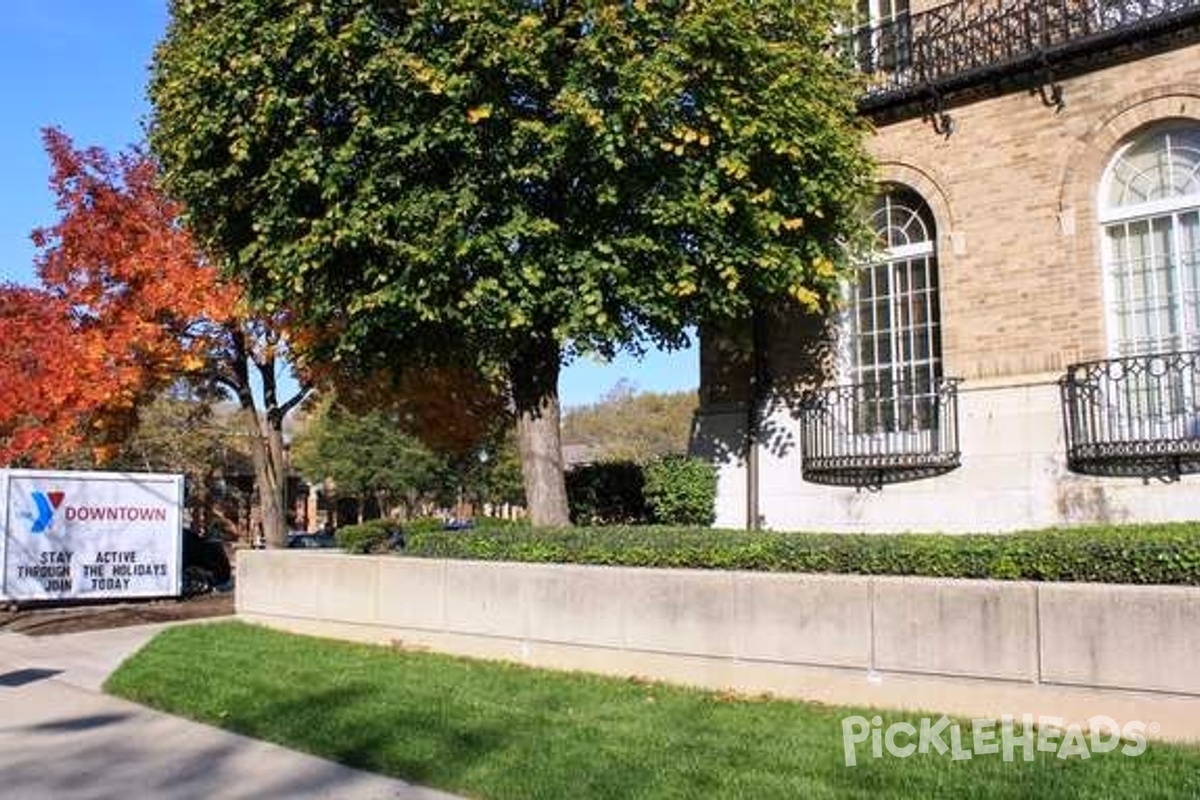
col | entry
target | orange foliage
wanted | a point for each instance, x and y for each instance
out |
(128, 306)
(37, 355)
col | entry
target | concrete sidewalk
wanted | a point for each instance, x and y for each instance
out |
(62, 738)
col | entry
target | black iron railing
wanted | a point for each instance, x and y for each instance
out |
(968, 42)
(1136, 416)
(867, 435)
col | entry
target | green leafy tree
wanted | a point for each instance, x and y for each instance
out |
(522, 180)
(366, 456)
(181, 431)
(178, 432)
(494, 474)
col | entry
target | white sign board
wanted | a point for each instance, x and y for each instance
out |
(91, 535)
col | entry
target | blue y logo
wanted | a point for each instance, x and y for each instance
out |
(47, 503)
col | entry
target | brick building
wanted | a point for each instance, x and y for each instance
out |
(1024, 350)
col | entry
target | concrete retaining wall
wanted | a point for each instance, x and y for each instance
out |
(905, 642)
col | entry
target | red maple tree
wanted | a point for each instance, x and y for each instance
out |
(128, 305)
(40, 395)
(143, 309)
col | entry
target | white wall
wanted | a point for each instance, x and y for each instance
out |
(1013, 477)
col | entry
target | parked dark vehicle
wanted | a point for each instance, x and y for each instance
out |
(311, 540)
(396, 539)
(205, 564)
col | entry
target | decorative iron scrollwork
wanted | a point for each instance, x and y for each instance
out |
(1137, 416)
(971, 42)
(869, 435)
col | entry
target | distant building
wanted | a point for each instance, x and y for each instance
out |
(580, 455)
(1023, 351)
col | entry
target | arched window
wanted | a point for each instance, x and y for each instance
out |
(1150, 218)
(893, 325)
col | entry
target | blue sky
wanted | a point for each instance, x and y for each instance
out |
(81, 65)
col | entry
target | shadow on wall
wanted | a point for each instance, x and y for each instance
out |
(796, 352)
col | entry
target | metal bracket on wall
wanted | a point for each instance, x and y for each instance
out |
(1049, 89)
(936, 114)
(870, 482)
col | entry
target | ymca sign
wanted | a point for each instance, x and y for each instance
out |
(90, 535)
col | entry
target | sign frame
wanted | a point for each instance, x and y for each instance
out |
(76, 536)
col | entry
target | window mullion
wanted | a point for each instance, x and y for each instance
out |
(1132, 312)
(1159, 320)
(896, 368)
(1175, 274)
(910, 368)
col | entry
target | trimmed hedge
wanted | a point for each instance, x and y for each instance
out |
(681, 490)
(422, 525)
(1147, 554)
(608, 493)
(671, 490)
(375, 535)
(366, 537)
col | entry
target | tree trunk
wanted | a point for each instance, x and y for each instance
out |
(269, 474)
(266, 454)
(534, 375)
(266, 435)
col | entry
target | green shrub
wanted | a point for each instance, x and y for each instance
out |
(681, 491)
(415, 530)
(609, 493)
(1149, 554)
(419, 525)
(366, 537)
(496, 524)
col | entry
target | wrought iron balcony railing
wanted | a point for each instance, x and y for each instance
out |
(868, 435)
(1136, 416)
(970, 42)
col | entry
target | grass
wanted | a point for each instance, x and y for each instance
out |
(491, 730)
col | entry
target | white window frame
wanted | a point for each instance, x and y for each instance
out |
(1170, 209)
(1148, 406)
(897, 254)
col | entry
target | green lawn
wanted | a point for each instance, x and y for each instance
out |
(492, 730)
